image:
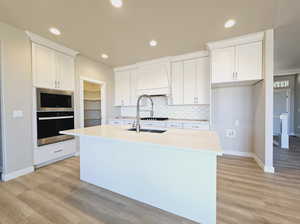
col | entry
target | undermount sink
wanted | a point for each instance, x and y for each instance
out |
(148, 130)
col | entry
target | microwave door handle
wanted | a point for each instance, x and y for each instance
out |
(55, 118)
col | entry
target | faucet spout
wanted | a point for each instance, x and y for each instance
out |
(138, 115)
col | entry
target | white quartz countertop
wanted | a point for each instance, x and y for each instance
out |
(179, 138)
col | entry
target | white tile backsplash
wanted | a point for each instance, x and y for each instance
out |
(162, 109)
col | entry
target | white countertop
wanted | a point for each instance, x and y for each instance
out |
(186, 139)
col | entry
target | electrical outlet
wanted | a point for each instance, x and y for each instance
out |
(17, 113)
(237, 123)
(230, 133)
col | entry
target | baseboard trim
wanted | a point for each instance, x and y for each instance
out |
(18, 173)
(235, 153)
(266, 169)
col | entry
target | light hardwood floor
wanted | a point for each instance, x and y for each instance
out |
(287, 158)
(55, 195)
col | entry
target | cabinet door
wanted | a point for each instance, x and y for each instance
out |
(189, 83)
(122, 88)
(65, 71)
(43, 66)
(249, 61)
(223, 65)
(202, 81)
(177, 83)
(133, 87)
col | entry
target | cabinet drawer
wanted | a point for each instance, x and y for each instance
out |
(174, 125)
(47, 153)
(196, 126)
(116, 122)
(155, 124)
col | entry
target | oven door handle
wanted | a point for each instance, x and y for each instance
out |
(54, 118)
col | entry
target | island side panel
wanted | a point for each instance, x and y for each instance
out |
(179, 181)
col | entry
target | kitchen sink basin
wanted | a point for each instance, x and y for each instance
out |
(148, 130)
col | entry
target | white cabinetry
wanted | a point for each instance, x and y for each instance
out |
(249, 61)
(65, 71)
(223, 65)
(237, 60)
(43, 66)
(190, 81)
(125, 87)
(153, 77)
(49, 153)
(52, 69)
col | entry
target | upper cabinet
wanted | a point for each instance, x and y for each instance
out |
(125, 87)
(53, 65)
(52, 69)
(190, 81)
(237, 60)
(65, 71)
(43, 66)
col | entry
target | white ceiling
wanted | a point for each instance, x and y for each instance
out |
(94, 27)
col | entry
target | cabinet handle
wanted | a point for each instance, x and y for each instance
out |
(233, 75)
(57, 151)
(236, 75)
(55, 84)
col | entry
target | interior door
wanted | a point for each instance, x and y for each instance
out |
(66, 73)
(43, 63)
(281, 105)
(223, 65)
(249, 61)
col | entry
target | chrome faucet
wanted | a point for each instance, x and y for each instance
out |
(138, 116)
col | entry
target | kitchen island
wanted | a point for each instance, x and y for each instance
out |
(174, 171)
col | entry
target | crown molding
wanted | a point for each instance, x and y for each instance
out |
(253, 37)
(198, 54)
(48, 43)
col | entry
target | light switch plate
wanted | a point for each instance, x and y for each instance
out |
(17, 113)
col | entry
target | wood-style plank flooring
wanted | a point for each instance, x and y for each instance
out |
(54, 195)
(287, 158)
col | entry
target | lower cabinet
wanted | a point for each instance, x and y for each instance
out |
(192, 125)
(52, 152)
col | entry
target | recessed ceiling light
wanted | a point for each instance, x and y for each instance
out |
(153, 43)
(55, 31)
(230, 23)
(117, 3)
(104, 56)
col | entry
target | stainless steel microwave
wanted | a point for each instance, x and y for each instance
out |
(54, 100)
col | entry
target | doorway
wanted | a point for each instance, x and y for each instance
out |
(92, 102)
(281, 106)
(286, 122)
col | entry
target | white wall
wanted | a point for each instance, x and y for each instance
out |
(16, 93)
(232, 109)
(259, 121)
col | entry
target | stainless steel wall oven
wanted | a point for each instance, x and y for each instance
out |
(55, 113)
